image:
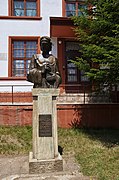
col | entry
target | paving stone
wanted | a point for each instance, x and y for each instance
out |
(17, 168)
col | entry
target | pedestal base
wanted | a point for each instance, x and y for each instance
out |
(45, 166)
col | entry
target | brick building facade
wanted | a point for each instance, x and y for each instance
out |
(22, 24)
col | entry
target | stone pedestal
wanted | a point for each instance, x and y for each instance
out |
(45, 156)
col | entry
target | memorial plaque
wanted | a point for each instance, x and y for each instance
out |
(45, 125)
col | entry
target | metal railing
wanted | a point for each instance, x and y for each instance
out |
(5, 90)
(13, 92)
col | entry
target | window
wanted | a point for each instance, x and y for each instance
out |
(84, 78)
(29, 8)
(71, 52)
(21, 54)
(73, 74)
(75, 7)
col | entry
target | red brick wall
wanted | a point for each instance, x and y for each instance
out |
(84, 115)
(89, 115)
(15, 115)
(16, 97)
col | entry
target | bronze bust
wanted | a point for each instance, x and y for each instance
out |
(43, 69)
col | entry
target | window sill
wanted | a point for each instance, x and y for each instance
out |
(12, 78)
(21, 17)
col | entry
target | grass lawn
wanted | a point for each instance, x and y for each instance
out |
(97, 151)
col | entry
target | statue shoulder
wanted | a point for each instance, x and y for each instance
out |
(52, 59)
(37, 56)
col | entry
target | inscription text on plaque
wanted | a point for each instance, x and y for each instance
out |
(45, 125)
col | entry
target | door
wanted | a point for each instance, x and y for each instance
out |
(72, 78)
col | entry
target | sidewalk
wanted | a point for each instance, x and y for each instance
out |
(17, 168)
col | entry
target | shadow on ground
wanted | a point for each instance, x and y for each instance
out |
(108, 137)
(84, 119)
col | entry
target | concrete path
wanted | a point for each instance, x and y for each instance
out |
(17, 168)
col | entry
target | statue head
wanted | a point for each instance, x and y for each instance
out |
(45, 43)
